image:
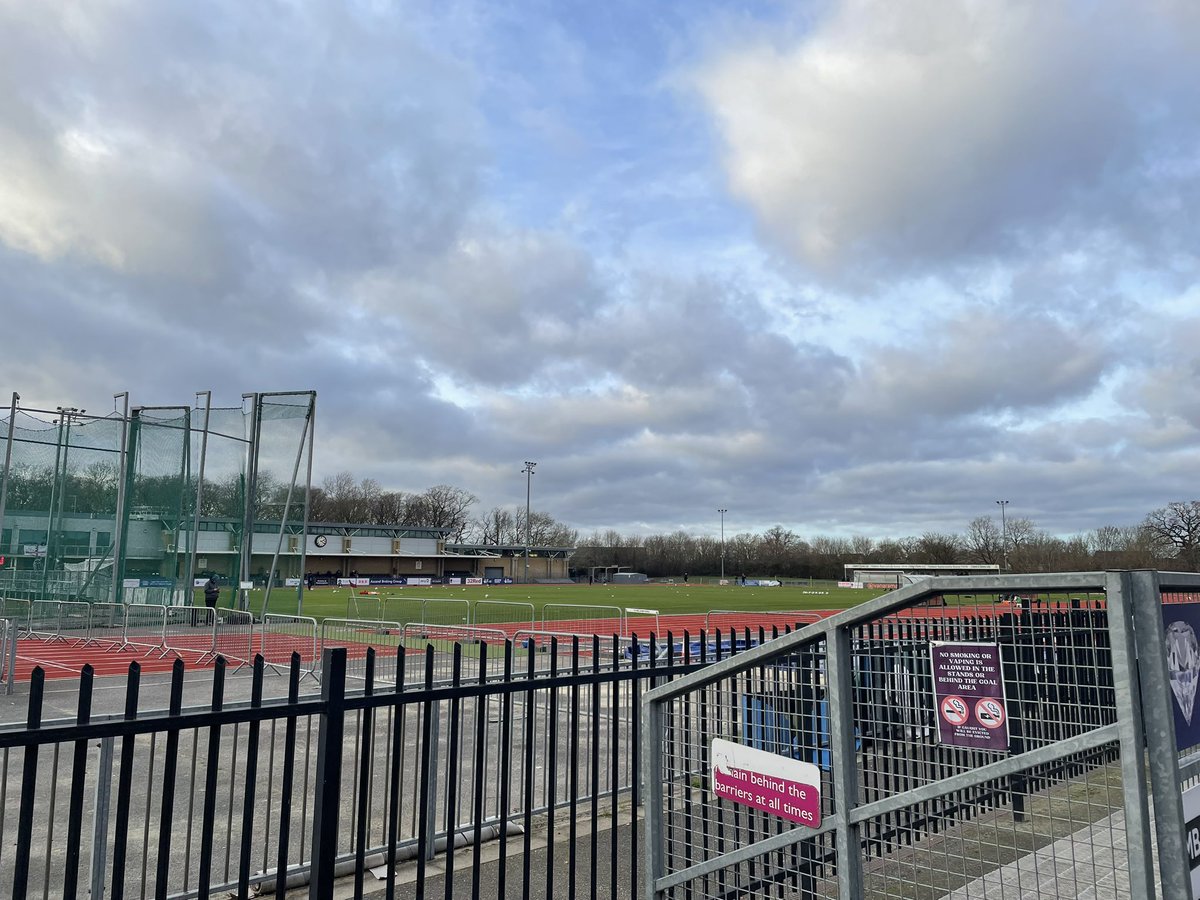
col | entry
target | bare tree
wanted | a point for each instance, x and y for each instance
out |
(984, 541)
(938, 549)
(1177, 526)
(442, 506)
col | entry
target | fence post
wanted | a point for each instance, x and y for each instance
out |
(435, 718)
(100, 818)
(329, 772)
(652, 714)
(843, 759)
(13, 635)
(1149, 673)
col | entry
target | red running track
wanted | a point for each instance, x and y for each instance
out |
(64, 658)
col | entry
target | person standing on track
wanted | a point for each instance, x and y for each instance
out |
(212, 592)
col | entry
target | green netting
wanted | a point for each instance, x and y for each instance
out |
(159, 496)
(222, 497)
(60, 533)
(61, 503)
(279, 483)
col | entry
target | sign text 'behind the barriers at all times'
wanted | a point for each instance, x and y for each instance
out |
(785, 787)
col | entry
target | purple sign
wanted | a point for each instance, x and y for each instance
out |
(968, 695)
(786, 787)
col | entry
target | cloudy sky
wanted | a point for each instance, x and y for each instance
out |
(855, 267)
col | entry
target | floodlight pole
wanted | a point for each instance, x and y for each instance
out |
(528, 470)
(12, 419)
(1003, 535)
(190, 576)
(312, 425)
(118, 527)
(722, 512)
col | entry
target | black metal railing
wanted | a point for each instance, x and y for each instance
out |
(237, 797)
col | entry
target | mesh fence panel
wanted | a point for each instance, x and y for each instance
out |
(279, 480)
(159, 495)
(1051, 828)
(60, 512)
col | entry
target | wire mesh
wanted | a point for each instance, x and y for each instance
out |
(60, 515)
(1050, 829)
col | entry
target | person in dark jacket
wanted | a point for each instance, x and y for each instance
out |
(212, 592)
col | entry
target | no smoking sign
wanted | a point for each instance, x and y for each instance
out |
(954, 710)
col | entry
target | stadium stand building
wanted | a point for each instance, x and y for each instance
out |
(330, 551)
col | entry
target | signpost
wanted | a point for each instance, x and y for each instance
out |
(780, 785)
(968, 694)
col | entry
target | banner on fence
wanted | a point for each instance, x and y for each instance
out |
(1191, 835)
(785, 787)
(1181, 624)
(968, 695)
(857, 585)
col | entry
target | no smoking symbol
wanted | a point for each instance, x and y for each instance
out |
(954, 710)
(990, 712)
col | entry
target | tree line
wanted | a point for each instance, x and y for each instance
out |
(1168, 537)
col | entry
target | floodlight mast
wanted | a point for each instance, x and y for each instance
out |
(528, 470)
(722, 512)
(12, 419)
(1003, 534)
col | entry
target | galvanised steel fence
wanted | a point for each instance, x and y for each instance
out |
(830, 763)
(407, 778)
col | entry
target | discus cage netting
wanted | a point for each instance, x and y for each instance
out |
(134, 506)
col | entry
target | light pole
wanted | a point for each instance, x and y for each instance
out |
(722, 512)
(528, 470)
(1003, 534)
(8, 446)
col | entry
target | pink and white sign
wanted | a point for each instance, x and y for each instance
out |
(782, 786)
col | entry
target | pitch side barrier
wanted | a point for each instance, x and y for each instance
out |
(579, 618)
(360, 635)
(503, 613)
(417, 636)
(16, 611)
(8, 633)
(106, 625)
(145, 624)
(283, 635)
(730, 619)
(188, 630)
(948, 739)
(233, 636)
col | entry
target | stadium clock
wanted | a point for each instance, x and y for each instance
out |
(320, 540)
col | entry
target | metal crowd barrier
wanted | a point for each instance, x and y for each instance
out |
(106, 624)
(43, 620)
(503, 614)
(16, 611)
(233, 636)
(417, 636)
(282, 635)
(188, 629)
(144, 627)
(578, 618)
(360, 635)
(8, 632)
(74, 619)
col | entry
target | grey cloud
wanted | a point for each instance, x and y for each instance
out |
(905, 136)
(984, 362)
